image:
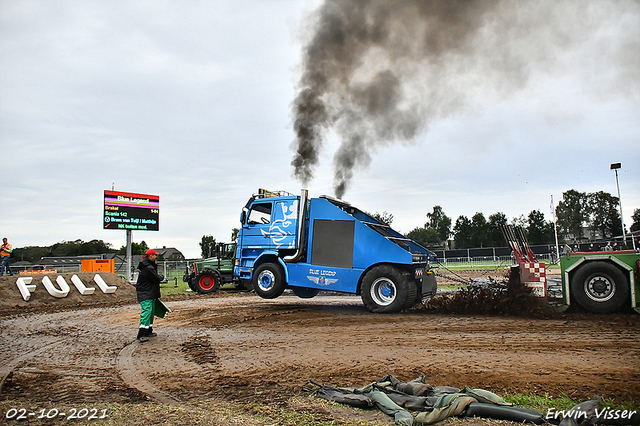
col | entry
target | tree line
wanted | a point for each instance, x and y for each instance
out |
(75, 248)
(579, 214)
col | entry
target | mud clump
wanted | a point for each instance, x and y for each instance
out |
(493, 297)
(199, 350)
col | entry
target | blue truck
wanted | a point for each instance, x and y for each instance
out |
(324, 244)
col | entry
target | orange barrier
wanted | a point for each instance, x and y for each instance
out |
(98, 265)
(39, 272)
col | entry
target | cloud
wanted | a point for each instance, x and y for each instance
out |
(377, 73)
(192, 101)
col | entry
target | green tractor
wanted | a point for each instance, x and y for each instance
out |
(207, 275)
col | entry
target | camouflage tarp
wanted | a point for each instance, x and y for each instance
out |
(434, 403)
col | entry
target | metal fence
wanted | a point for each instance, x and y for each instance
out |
(170, 269)
(174, 270)
(482, 261)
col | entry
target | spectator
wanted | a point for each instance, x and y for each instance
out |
(147, 292)
(5, 253)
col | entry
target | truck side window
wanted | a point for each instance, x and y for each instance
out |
(260, 213)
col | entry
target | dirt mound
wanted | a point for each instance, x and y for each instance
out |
(11, 300)
(492, 297)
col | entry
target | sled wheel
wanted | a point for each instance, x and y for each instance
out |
(385, 289)
(304, 292)
(207, 282)
(600, 287)
(268, 281)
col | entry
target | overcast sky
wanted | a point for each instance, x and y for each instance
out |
(192, 101)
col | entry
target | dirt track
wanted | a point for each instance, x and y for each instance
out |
(240, 348)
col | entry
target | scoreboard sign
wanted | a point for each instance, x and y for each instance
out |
(129, 211)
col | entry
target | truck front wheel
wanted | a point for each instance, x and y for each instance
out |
(385, 290)
(268, 281)
(599, 287)
(207, 282)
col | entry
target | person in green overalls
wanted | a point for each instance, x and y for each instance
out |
(147, 292)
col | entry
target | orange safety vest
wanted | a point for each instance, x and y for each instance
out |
(5, 250)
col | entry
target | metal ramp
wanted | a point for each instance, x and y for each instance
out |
(532, 272)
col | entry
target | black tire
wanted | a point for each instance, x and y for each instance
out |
(413, 297)
(268, 281)
(207, 281)
(192, 284)
(304, 292)
(243, 285)
(600, 287)
(385, 289)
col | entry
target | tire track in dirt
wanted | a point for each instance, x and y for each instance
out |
(126, 366)
(241, 348)
(6, 369)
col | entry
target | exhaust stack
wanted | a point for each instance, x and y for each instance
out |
(301, 212)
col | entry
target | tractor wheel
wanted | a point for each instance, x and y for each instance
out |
(600, 287)
(207, 281)
(385, 289)
(304, 292)
(192, 284)
(268, 281)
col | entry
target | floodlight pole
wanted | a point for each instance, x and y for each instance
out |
(615, 167)
(555, 229)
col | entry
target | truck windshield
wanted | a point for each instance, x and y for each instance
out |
(260, 213)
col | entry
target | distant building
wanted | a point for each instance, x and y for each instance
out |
(170, 253)
(65, 260)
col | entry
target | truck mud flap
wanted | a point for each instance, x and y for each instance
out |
(429, 284)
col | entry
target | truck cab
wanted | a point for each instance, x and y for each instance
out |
(313, 244)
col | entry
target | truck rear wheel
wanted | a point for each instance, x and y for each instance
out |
(207, 282)
(599, 287)
(413, 296)
(385, 290)
(268, 281)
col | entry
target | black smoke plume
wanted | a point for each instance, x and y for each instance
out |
(377, 72)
